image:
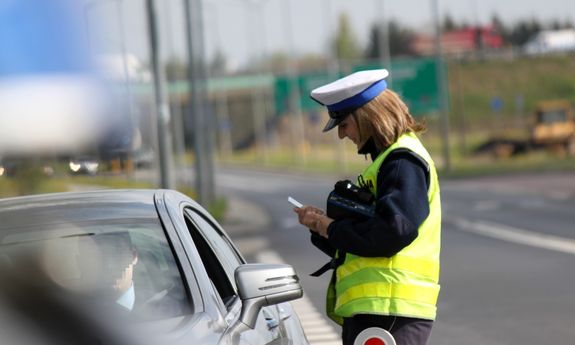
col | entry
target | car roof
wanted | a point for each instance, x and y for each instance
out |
(45, 209)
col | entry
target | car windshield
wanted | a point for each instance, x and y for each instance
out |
(127, 263)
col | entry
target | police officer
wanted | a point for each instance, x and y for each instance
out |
(386, 266)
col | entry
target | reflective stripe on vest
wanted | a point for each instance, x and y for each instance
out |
(405, 284)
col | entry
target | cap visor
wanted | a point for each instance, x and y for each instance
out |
(331, 124)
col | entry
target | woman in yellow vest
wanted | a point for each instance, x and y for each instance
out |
(386, 265)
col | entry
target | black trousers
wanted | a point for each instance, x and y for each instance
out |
(405, 330)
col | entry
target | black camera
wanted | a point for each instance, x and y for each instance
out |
(348, 200)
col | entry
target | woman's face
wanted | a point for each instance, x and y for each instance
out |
(349, 128)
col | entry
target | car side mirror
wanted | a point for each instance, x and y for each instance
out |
(261, 285)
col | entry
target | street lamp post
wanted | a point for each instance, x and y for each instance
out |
(203, 148)
(333, 68)
(258, 102)
(162, 109)
(294, 98)
(444, 111)
(383, 37)
(223, 122)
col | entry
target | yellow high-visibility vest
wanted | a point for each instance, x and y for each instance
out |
(406, 284)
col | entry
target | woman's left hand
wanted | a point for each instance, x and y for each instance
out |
(313, 218)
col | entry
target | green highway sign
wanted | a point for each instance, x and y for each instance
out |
(285, 89)
(414, 79)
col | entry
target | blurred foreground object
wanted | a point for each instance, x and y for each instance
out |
(50, 98)
(34, 310)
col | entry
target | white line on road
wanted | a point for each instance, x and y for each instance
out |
(487, 205)
(516, 235)
(317, 329)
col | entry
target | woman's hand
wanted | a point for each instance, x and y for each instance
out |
(313, 218)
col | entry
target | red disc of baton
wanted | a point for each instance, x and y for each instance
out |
(374, 336)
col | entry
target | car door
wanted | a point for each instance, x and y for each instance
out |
(221, 259)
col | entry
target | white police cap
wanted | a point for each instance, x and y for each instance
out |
(345, 95)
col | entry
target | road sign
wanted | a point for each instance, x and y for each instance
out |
(414, 79)
(285, 88)
(496, 104)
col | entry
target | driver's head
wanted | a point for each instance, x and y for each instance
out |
(118, 257)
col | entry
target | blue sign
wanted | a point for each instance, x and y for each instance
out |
(496, 104)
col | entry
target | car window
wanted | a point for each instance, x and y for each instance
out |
(218, 255)
(128, 265)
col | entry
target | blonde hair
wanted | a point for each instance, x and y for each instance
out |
(385, 118)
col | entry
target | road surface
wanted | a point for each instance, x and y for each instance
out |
(508, 253)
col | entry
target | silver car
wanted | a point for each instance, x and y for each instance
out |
(152, 258)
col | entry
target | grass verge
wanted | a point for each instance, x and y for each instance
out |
(10, 187)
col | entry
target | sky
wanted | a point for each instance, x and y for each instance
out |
(234, 27)
(245, 29)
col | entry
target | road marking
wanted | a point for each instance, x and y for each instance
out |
(317, 329)
(486, 205)
(516, 235)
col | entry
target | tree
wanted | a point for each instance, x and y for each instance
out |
(499, 27)
(568, 24)
(523, 31)
(176, 69)
(373, 51)
(218, 65)
(400, 39)
(311, 62)
(344, 46)
(276, 62)
(555, 25)
(448, 23)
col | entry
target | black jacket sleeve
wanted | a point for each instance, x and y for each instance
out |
(401, 207)
(322, 244)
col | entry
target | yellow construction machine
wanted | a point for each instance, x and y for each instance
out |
(552, 127)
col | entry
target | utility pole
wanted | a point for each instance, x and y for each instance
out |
(162, 109)
(444, 107)
(383, 41)
(333, 68)
(197, 107)
(255, 8)
(297, 124)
